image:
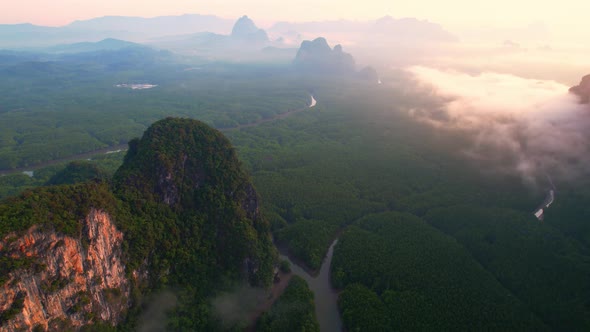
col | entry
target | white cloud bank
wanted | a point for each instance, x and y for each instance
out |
(524, 125)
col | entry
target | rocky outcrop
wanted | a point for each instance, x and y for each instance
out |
(250, 202)
(317, 56)
(71, 281)
(582, 90)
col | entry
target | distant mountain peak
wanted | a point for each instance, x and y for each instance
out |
(245, 29)
(318, 45)
(114, 40)
(316, 55)
(582, 90)
(244, 26)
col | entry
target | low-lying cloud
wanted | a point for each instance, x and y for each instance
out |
(238, 306)
(528, 126)
(153, 318)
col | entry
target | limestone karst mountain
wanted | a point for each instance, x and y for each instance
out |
(246, 30)
(179, 213)
(317, 56)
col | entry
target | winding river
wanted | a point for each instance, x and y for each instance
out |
(549, 199)
(326, 306)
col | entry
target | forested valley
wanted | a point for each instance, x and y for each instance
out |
(428, 238)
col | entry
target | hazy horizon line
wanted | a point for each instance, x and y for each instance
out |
(267, 22)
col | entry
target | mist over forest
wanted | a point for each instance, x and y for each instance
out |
(205, 173)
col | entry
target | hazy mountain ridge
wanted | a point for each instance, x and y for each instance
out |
(108, 44)
(82, 59)
(385, 29)
(159, 25)
(25, 36)
(136, 29)
(212, 37)
(245, 43)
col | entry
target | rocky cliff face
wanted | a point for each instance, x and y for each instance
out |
(582, 90)
(71, 281)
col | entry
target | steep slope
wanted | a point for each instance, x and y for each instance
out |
(180, 214)
(77, 171)
(61, 259)
(189, 170)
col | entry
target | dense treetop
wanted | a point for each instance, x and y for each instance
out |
(293, 311)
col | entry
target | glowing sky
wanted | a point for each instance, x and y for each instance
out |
(558, 14)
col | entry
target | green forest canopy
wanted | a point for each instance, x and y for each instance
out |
(354, 157)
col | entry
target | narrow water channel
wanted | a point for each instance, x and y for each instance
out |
(326, 306)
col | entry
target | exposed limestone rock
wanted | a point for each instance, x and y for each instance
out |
(73, 280)
(250, 203)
